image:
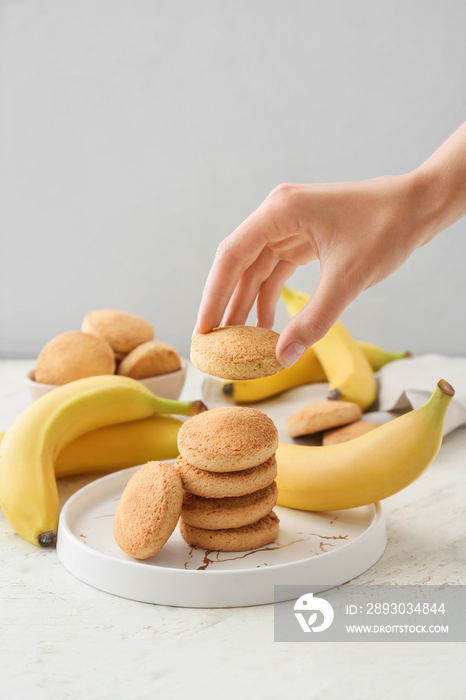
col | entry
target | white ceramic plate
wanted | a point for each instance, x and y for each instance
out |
(319, 549)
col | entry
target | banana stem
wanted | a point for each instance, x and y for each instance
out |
(195, 408)
(179, 408)
(439, 401)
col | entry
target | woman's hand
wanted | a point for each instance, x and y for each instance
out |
(359, 231)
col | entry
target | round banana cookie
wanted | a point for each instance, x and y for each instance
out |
(228, 439)
(221, 484)
(72, 356)
(122, 331)
(150, 359)
(236, 352)
(232, 511)
(348, 432)
(239, 539)
(148, 510)
(322, 415)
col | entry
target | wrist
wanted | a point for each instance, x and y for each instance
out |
(426, 204)
(428, 195)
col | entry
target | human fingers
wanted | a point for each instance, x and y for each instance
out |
(234, 255)
(270, 291)
(320, 313)
(248, 287)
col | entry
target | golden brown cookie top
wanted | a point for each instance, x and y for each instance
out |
(73, 355)
(150, 359)
(148, 510)
(228, 439)
(236, 352)
(122, 330)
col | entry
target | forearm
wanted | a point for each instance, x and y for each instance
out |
(439, 187)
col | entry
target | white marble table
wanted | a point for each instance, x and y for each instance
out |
(61, 638)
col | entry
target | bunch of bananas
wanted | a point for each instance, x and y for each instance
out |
(98, 423)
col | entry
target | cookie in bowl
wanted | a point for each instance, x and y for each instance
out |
(73, 355)
(122, 330)
(150, 359)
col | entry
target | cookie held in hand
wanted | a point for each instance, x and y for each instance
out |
(236, 352)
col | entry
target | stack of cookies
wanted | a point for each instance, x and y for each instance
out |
(228, 468)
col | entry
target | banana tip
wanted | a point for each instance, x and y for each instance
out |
(446, 388)
(334, 395)
(47, 539)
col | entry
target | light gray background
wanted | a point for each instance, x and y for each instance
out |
(136, 134)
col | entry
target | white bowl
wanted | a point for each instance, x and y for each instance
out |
(167, 386)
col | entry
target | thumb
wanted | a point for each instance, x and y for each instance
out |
(313, 322)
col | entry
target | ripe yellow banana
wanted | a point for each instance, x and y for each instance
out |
(378, 357)
(28, 490)
(120, 446)
(307, 370)
(348, 371)
(368, 468)
(294, 300)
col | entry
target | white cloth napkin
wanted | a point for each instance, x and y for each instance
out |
(403, 385)
(406, 384)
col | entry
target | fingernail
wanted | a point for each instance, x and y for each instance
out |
(194, 331)
(291, 354)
